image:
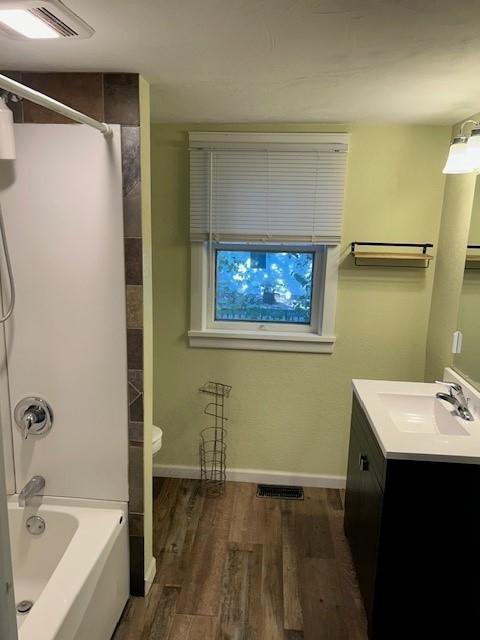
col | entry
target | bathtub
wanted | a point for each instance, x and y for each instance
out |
(75, 572)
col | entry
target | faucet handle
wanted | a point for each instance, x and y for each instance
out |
(34, 416)
(453, 386)
(28, 421)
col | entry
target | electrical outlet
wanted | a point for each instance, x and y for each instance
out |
(457, 342)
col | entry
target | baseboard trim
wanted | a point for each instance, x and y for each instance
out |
(257, 476)
(150, 574)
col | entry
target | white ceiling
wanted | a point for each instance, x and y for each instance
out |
(280, 60)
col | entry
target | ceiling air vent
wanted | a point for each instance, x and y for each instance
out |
(54, 21)
(41, 19)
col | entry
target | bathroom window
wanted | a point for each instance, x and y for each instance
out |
(260, 285)
(265, 225)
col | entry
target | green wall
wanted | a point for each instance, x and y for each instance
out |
(290, 412)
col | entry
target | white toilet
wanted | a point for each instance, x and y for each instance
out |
(157, 434)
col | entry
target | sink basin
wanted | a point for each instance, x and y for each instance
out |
(410, 423)
(421, 414)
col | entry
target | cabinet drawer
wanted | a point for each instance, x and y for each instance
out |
(363, 430)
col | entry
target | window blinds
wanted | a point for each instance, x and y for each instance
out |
(254, 192)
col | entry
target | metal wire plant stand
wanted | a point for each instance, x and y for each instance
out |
(213, 448)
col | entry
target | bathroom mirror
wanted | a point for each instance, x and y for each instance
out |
(468, 361)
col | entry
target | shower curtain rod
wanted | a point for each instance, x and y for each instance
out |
(21, 90)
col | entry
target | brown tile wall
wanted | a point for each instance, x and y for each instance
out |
(112, 98)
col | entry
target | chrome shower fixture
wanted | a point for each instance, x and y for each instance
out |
(34, 416)
(7, 139)
(8, 262)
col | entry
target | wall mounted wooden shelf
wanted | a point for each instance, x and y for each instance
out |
(472, 256)
(366, 258)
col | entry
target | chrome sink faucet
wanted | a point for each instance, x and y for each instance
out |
(31, 489)
(456, 398)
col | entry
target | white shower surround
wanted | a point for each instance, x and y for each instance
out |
(66, 342)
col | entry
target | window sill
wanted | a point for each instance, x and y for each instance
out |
(261, 341)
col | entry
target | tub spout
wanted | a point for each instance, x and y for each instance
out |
(31, 489)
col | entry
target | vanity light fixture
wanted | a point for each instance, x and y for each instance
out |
(458, 160)
(464, 154)
(473, 146)
(41, 20)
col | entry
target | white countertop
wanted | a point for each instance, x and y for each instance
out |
(429, 428)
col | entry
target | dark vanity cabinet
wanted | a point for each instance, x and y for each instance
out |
(414, 533)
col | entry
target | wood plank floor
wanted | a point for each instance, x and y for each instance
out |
(246, 568)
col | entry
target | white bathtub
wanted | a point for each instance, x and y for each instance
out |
(76, 572)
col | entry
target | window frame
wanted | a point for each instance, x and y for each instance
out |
(318, 337)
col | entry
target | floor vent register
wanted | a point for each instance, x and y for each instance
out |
(279, 491)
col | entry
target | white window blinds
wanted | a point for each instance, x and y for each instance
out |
(252, 190)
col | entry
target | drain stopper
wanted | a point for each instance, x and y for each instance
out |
(36, 525)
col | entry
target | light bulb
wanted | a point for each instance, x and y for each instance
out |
(25, 23)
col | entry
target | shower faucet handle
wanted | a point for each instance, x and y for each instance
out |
(34, 416)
